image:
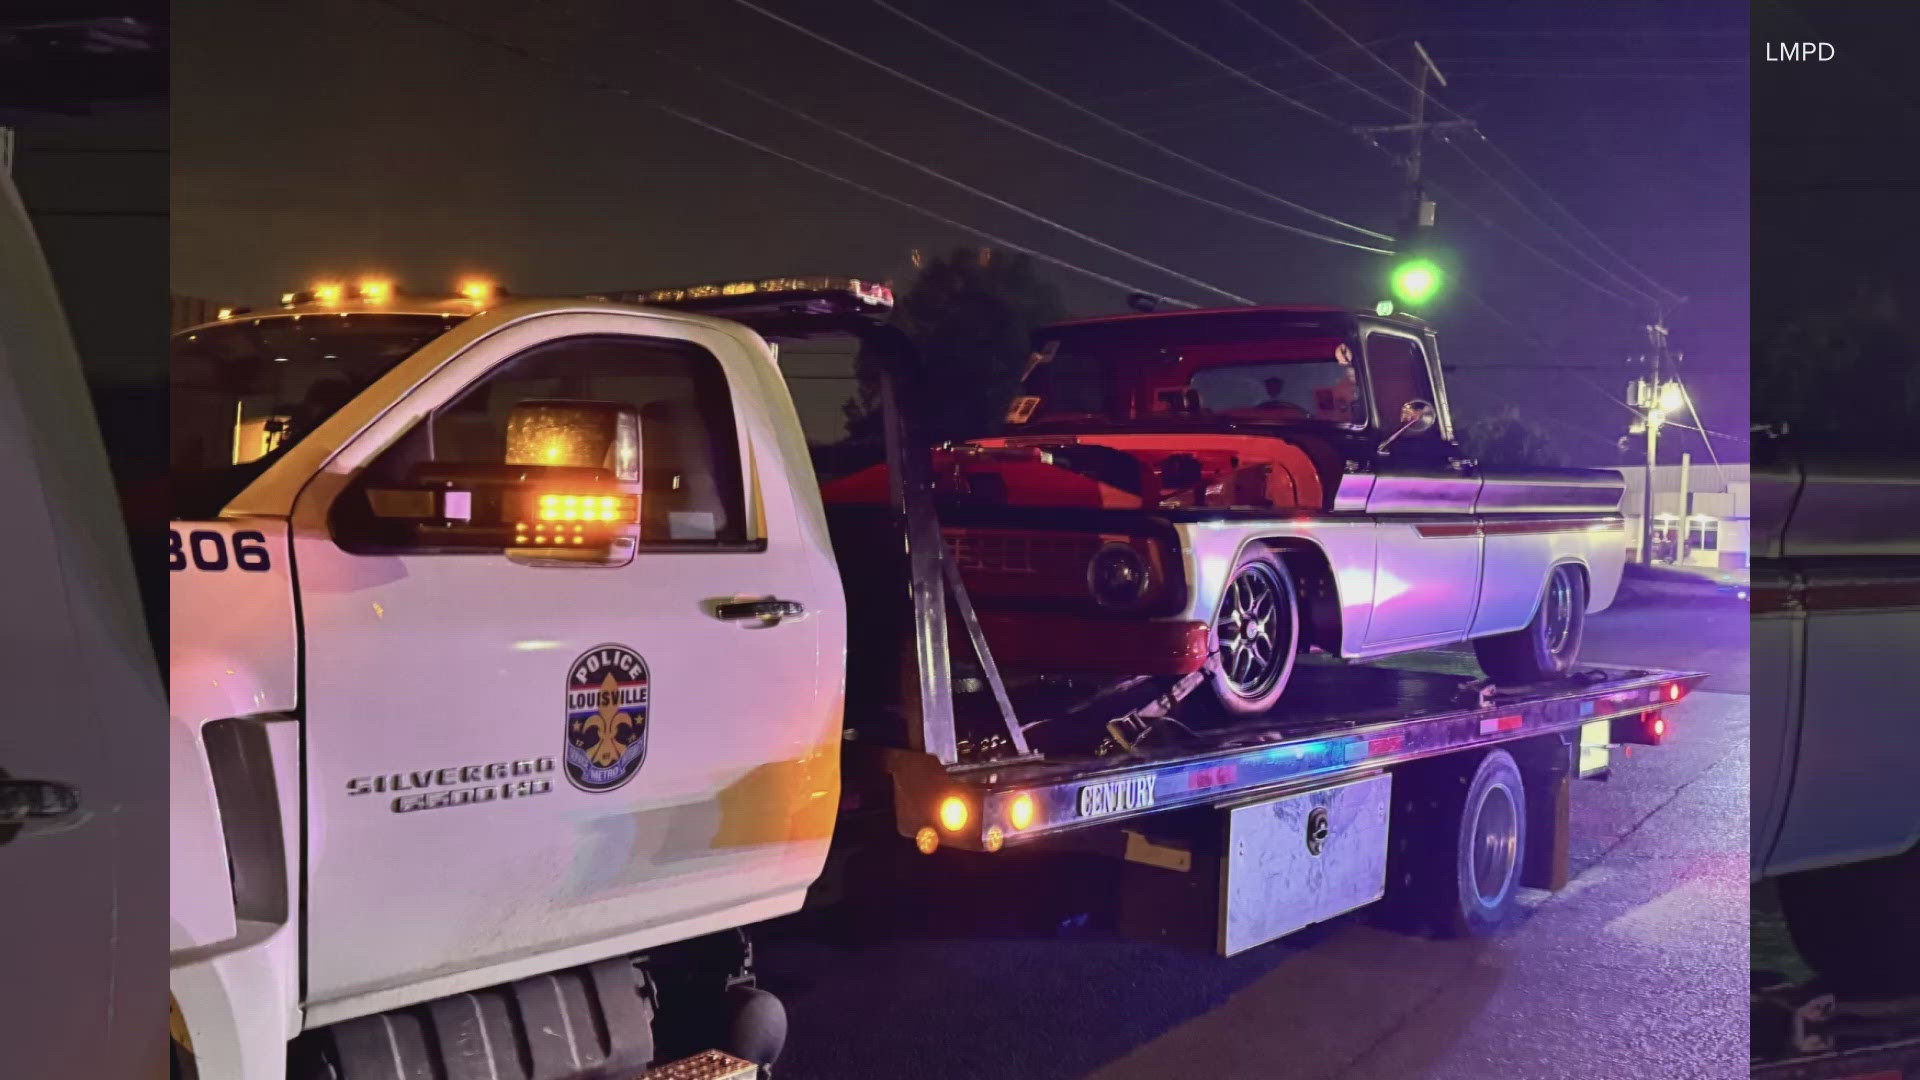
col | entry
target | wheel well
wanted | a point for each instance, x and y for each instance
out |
(1315, 590)
(1580, 568)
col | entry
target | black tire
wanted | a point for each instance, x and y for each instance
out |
(1546, 648)
(1456, 844)
(1857, 926)
(757, 1025)
(1258, 606)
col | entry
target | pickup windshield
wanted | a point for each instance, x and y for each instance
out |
(1257, 367)
(242, 394)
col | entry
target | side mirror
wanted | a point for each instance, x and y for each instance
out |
(568, 491)
(1417, 417)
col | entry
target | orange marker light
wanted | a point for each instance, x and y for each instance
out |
(1020, 814)
(953, 813)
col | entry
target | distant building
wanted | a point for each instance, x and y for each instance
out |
(185, 311)
(1713, 528)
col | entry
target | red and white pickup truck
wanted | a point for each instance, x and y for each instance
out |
(1213, 489)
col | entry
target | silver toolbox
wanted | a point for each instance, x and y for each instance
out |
(1300, 859)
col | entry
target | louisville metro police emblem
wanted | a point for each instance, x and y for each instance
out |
(606, 717)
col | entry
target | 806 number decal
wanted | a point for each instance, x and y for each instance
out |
(208, 549)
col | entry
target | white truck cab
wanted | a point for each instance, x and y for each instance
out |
(407, 766)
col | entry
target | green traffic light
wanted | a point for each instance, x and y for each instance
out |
(1416, 282)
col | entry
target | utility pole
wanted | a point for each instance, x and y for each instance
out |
(1656, 397)
(1415, 279)
(1419, 209)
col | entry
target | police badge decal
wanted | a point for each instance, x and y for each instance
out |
(606, 717)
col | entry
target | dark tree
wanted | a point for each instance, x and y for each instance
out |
(1510, 439)
(971, 316)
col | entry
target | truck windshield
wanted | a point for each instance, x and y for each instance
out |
(244, 393)
(1258, 366)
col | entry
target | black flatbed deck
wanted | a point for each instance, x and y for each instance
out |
(1335, 722)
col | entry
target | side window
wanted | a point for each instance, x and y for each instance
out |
(691, 489)
(1397, 367)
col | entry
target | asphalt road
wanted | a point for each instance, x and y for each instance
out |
(1012, 967)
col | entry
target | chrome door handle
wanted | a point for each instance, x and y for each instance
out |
(42, 806)
(760, 609)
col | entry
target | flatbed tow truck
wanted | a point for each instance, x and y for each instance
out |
(1438, 793)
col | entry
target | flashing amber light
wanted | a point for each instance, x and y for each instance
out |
(477, 290)
(611, 509)
(926, 840)
(327, 294)
(1020, 814)
(378, 292)
(953, 813)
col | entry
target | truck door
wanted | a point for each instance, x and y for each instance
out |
(1427, 570)
(81, 854)
(513, 766)
(1852, 796)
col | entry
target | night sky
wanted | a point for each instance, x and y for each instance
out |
(343, 137)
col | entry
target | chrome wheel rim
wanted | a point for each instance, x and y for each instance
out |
(1496, 844)
(1254, 639)
(1559, 613)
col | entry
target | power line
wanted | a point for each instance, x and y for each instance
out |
(1324, 17)
(1397, 110)
(1124, 130)
(601, 85)
(970, 189)
(1529, 248)
(1216, 61)
(1517, 201)
(1198, 80)
(1004, 122)
(1223, 65)
(1521, 173)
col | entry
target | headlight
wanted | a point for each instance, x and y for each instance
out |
(1117, 576)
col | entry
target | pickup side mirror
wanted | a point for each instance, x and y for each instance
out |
(1417, 417)
(568, 492)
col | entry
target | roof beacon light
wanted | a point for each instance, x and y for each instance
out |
(477, 290)
(376, 291)
(328, 294)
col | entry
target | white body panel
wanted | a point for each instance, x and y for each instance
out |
(79, 702)
(239, 997)
(1425, 587)
(233, 653)
(1431, 588)
(431, 662)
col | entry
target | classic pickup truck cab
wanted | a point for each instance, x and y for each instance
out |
(1226, 489)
